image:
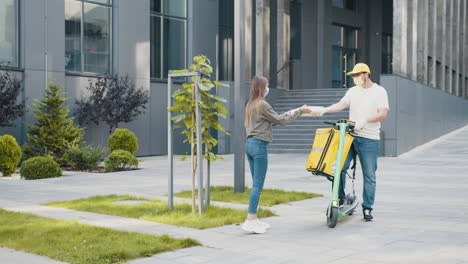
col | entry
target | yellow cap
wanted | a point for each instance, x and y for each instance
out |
(358, 68)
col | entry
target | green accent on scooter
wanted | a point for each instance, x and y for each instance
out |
(334, 211)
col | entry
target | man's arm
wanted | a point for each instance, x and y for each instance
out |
(340, 106)
(381, 115)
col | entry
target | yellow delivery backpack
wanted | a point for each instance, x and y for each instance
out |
(322, 157)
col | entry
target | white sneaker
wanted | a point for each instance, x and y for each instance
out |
(253, 226)
(265, 225)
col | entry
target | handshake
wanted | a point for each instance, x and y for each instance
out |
(305, 110)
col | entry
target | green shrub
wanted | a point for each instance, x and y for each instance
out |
(123, 139)
(84, 158)
(120, 160)
(10, 155)
(40, 168)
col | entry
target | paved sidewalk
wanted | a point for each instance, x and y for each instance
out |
(421, 211)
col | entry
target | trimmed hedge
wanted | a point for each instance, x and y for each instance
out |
(40, 168)
(10, 155)
(120, 160)
(123, 139)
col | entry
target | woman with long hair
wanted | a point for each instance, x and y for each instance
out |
(259, 120)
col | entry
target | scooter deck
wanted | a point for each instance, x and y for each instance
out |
(347, 209)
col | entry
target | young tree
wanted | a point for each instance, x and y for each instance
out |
(112, 100)
(210, 108)
(54, 132)
(10, 109)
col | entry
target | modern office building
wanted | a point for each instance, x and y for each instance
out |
(417, 50)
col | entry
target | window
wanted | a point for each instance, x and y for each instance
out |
(344, 55)
(461, 91)
(168, 36)
(454, 83)
(345, 4)
(226, 40)
(88, 36)
(439, 73)
(466, 87)
(387, 53)
(296, 29)
(9, 33)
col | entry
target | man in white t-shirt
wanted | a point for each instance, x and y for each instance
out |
(368, 105)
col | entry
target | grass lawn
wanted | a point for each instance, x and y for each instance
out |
(157, 211)
(75, 243)
(269, 197)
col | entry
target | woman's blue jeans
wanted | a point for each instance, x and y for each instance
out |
(368, 152)
(256, 151)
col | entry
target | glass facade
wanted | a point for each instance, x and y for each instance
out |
(345, 4)
(88, 36)
(387, 54)
(168, 36)
(226, 40)
(344, 55)
(9, 28)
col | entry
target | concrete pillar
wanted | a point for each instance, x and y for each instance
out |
(249, 62)
(441, 41)
(455, 45)
(463, 46)
(448, 46)
(412, 40)
(374, 39)
(241, 73)
(432, 32)
(262, 37)
(323, 28)
(310, 56)
(283, 44)
(460, 48)
(400, 37)
(457, 36)
(422, 27)
(259, 15)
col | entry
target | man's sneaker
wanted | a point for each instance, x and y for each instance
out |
(253, 226)
(265, 225)
(367, 214)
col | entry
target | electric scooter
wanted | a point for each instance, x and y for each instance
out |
(336, 211)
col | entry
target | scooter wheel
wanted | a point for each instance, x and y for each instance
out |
(333, 218)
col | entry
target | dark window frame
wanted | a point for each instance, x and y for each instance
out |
(343, 48)
(111, 40)
(162, 17)
(387, 56)
(353, 9)
(18, 65)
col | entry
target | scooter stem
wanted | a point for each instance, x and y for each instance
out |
(339, 155)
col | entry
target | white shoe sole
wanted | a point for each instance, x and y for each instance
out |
(253, 231)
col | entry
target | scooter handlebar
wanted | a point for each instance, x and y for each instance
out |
(351, 124)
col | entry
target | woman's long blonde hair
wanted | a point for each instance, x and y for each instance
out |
(257, 95)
